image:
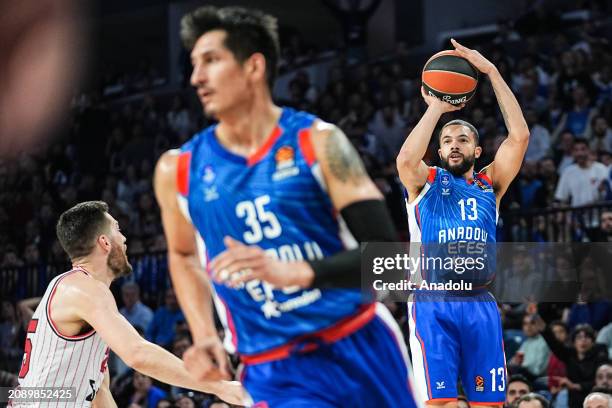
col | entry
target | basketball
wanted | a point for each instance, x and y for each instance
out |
(450, 78)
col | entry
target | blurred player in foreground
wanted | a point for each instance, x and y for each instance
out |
(459, 333)
(77, 322)
(274, 202)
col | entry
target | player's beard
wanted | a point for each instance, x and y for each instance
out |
(117, 261)
(460, 169)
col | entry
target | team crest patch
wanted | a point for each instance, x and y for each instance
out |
(479, 381)
(209, 175)
(285, 163)
(445, 179)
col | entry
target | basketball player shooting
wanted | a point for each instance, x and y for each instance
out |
(272, 202)
(77, 322)
(459, 334)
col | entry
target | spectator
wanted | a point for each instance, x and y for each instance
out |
(145, 393)
(547, 173)
(603, 377)
(164, 403)
(161, 330)
(133, 310)
(531, 400)
(564, 154)
(556, 368)
(531, 189)
(184, 401)
(580, 182)
(605, 337)
(533, 354)
(539, 137)
(581, 359)
(578, 118)
(517, 387)
(599, 135)
(597, 400)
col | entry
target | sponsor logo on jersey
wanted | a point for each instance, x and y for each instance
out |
(209, 175)
(440, 385)
(479, 381)
(445, 179)
(445, 191)
(285, 163)
(210, 193)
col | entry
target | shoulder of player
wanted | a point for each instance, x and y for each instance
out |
(323, 134)
(80, 290)
(166, 171)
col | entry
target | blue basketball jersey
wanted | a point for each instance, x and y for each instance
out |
(277, 200)
(450, 210)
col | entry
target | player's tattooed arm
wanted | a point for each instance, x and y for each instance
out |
(344, 174)
(342, 158)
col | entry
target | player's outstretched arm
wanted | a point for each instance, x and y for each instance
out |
(510, 154)
(104, 398)
(93, 302)
(193, 289)
(411, 168)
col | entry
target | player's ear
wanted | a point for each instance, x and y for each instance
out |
(256, 66)
(440, 153)
(477, 151)
(105, 242)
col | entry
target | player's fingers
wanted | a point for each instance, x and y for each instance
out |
(231, 242)
(222, 363)
(224, 259)
(231, 265)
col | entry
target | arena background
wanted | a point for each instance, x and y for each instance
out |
(353, 63)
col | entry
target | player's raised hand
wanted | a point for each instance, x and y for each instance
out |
(443, 106)
(207, 360)
(476, 59)
(241, 263)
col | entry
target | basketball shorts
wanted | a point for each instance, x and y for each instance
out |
(368, 368)
(457, 337)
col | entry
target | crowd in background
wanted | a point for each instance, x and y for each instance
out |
(561, 75)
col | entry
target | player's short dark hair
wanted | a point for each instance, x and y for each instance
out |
(531, 397)
(558, 323)
(248, 31)
(581, 140)
(519, 378)
(461, 123)
(583, 328)
(79, 227)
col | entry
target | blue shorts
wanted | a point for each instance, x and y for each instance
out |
(455, 337)
(368, 368)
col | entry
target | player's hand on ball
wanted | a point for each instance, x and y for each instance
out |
(476, 59)
(207, 360)
(240, 263)
(443, 106)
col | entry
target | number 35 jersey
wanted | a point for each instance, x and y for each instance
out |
(275, 199)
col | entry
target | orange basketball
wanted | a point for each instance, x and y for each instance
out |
(450, 78)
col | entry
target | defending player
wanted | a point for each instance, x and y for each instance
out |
(77, 322)
(459, 336)
(268, 194)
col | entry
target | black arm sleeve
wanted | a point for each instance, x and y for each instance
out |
(368, 221)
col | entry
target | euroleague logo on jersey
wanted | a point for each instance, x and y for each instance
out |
(285, 163)
(479, 381)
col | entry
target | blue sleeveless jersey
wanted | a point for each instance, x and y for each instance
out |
(275, 199)
(455, 219)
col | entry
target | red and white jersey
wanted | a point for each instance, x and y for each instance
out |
(52, 359)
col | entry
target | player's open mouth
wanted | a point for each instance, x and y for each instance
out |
(455, 156)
